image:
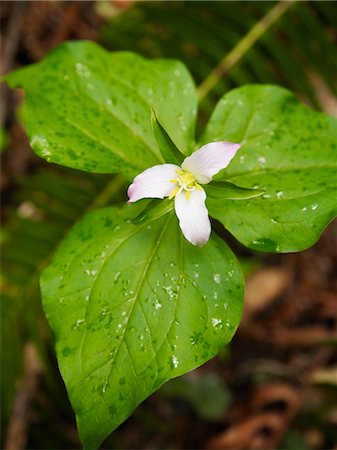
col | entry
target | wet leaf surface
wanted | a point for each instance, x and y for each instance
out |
(132, 307)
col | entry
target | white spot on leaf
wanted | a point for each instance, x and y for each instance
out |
(175, 361)
(216, 322)
(217, 278)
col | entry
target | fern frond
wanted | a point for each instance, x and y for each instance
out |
(203, 34)
(45, 205)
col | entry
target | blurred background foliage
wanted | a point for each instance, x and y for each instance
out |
(276, 386)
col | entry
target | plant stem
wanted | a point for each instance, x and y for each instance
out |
(242, 47)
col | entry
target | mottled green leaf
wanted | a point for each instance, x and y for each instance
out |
(132, 307)
(290, 152)
(90, 109)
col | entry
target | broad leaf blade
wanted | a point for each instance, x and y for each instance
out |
(131, 307)
(90, 109)
(289, 152)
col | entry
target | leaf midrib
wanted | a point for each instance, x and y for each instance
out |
(144, 275)
(149, 262)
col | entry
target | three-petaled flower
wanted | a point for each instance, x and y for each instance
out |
(183, 184)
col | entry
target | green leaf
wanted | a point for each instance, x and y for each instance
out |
(289, 152)
(153, 210)
(168, 149)
(90, 109)
(132, 307)
(227, 190)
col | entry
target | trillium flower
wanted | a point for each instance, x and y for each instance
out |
(183, 184)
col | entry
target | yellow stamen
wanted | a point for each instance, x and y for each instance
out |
(174, 193)
(185, 182)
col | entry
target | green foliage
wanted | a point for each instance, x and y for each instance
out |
(11, 344)
(153, 210)
(290, 152)
(89, 109)
(202, 33)
(3, 139)
(226, 190)
(293, 439)
(45, 205)
(282, 152)
(168, 149)
(205, 394)
(125, 325)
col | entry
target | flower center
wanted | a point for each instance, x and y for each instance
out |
(186, 182)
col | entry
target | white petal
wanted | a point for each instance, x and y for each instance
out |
(153, 182)
(210, 159)
(193, 216)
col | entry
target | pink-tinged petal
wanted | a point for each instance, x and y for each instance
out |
(153, 182)
(210, 159)
(193, 216)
